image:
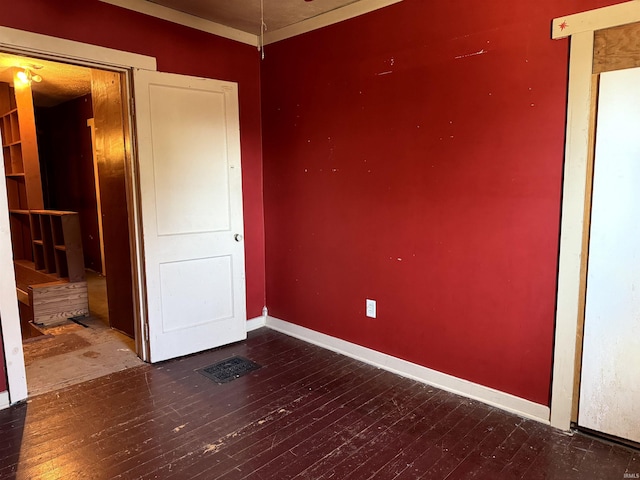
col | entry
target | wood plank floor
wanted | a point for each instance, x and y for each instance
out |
(306, 414)
(70, 353)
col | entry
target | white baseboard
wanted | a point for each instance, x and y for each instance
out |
(256, 323)
(496, 398)
(4, 400)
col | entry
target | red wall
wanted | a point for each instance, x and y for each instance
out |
(179, 50)
(414, 156)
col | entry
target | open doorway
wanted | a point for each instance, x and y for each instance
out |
(64, 149)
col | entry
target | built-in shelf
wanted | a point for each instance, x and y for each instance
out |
(47, 246)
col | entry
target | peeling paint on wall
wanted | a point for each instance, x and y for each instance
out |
(479, 52)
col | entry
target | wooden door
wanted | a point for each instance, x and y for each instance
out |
(191, 201)
(609, 389)
(110, 151)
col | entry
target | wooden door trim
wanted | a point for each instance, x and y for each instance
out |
(598, 19)
(576, 197)
(67, 51)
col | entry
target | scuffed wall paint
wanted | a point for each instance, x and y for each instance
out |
(414, 156)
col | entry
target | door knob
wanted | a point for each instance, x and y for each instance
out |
(238, 237)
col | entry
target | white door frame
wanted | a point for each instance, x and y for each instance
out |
(580, 27)
(57, 49)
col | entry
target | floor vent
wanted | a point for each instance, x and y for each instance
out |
(229, 369)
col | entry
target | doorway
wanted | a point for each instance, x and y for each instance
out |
(598, 44)
(165, 328)
(608, 397)
(64, 151)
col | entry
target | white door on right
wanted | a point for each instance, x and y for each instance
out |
(610, 380)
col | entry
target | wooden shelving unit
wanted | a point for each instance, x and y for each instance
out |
(13, 162)
(47, 245)
(20, 149)
(11, 147)
(56, 244)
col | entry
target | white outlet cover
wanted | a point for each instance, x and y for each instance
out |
(371, 308)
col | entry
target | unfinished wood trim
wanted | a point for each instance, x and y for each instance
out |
(92, 126)
(595, 83)
(334, 16)
(606, 17)
(577, 195)
(68, 51)
(181, 18)
(23, 297)
(572, 228)
(617, 48)
(502, 400)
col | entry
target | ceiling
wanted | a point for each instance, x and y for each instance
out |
(60, 82)
(245, 14)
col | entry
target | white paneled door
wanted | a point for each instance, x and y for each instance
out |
(191, 202)
(610, 381)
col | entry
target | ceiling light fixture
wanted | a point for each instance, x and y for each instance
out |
(22, 76)
(26, 76)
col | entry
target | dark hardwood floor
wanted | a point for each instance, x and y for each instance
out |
(306, 414)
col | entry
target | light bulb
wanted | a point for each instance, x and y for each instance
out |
(23, 76)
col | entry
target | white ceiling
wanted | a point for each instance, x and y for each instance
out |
(245, 14)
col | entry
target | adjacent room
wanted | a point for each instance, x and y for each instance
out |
(398, 229)
(64, 233)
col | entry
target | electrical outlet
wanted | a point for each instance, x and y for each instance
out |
(371, 308)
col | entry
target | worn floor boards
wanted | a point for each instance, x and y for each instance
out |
(68, 353)
(306, 414)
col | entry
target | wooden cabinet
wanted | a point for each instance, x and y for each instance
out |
(47, 245)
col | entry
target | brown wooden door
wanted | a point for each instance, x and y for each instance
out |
(111, 154)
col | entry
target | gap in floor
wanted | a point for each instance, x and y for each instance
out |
(71, 353)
